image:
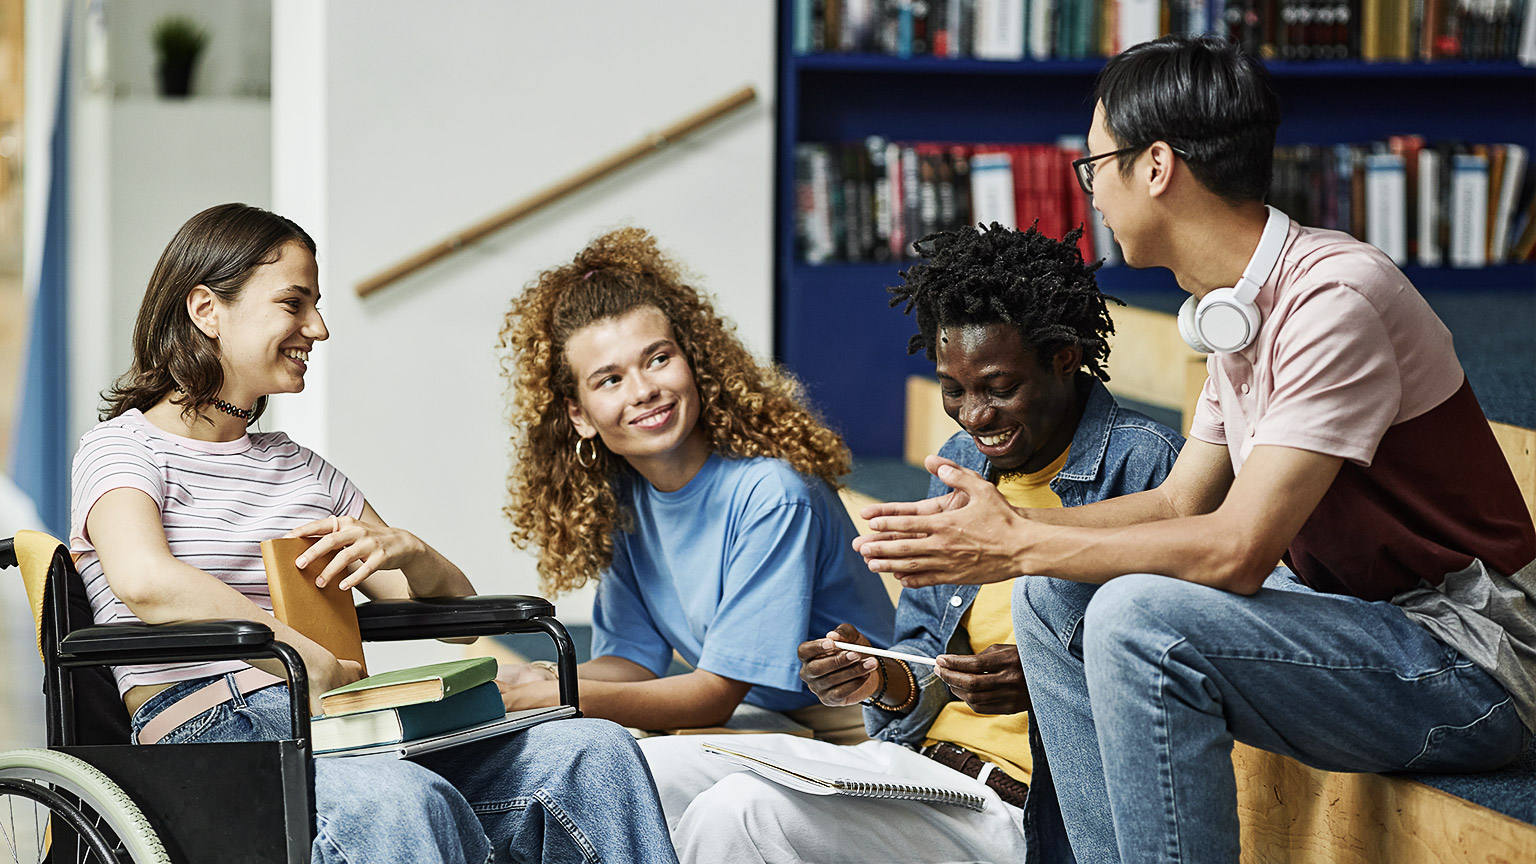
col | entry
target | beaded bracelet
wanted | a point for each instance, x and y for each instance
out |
(874, 698)
(911, 690)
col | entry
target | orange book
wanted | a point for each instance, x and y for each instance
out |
(326, 615)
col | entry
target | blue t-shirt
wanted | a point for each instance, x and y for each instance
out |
(734, 571)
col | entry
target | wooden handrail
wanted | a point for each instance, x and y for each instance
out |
(650, 144)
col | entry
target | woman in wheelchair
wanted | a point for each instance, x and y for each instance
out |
(171, 497)
(654, 452)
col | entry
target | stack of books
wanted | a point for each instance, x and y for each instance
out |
(407, 704)
(404, 712)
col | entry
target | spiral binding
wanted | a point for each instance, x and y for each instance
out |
(910, 793)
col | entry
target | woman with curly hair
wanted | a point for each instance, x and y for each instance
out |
(655, 454)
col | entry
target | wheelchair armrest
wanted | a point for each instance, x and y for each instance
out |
(121, 644)
(437, 617)
(229, 639)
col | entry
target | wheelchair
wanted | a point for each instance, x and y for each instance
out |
(93, 796)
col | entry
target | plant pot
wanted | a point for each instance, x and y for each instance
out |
(175, 75)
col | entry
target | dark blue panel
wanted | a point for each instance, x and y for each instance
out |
(850, 350)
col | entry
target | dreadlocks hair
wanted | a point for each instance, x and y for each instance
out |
(748, 408)
(1025, 279)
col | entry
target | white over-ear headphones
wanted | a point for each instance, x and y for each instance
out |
(1226, 320)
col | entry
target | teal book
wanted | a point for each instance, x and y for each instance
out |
(472, 707)
(408, 686)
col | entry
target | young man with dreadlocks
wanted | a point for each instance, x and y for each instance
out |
(1016, 326)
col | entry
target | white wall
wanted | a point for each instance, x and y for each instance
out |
(170, 159)
(237, 61)
(398, 122)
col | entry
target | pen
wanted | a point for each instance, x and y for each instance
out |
(881, 652)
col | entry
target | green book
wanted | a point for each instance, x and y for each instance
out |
(477, 705)
(408, 686)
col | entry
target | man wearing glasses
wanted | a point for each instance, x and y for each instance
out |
(1336, 430)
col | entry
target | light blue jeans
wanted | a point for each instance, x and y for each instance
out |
(563, 791)
(1141, 686)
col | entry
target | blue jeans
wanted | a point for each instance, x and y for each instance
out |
(1140, 687)
(567, 790)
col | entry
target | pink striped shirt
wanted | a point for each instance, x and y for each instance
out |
(218, 500)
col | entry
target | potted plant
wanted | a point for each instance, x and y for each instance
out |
(178, 42)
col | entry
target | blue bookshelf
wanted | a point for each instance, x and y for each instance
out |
(834, 330)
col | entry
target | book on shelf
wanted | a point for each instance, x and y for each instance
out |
(428, 683)
(1386, 225)
(870, 200)
(513, 721)
(1137, 21)
(1523, 247)
(1525, 50)
(472, 707)
(1502, 205)
(1290, 30)
(999, 32)
(1409, 210)
(326, 615)
(818, 777)
(992, 188)
(1469, 210)
(1430, 252)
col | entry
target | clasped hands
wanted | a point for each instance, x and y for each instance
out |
(954, 538)
(991, 682)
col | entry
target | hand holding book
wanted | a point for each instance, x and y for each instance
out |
(355, 549)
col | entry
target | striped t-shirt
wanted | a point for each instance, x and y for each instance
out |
(218, 500)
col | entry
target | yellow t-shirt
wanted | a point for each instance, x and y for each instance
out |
(1002, 739)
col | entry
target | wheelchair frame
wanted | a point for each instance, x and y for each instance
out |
(180, 786)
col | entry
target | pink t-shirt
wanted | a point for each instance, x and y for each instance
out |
(1352, 362)
(217, 501)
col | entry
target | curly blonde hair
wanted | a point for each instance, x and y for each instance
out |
(748, 408)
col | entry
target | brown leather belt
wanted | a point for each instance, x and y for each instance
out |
(968, 763)
(210, 695)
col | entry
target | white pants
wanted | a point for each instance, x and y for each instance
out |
(720, 812)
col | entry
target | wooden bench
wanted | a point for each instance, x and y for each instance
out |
(1291, 813)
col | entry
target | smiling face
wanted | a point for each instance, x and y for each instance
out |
(1021, 415)
(635, 390)
(265, 336)
(1113, 192)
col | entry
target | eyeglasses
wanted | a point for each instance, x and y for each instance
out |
(1084, 167)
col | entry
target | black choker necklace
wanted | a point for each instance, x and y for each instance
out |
(243, 413)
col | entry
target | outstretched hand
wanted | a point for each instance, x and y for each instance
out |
(362, 548)
(969, 536)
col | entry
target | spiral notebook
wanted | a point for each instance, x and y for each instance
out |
(826, 778)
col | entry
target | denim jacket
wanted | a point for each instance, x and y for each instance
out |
(1115, 451)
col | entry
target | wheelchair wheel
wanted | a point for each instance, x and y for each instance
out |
(42, 791)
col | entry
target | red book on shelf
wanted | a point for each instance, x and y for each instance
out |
(1050, 199)
(1075, 201)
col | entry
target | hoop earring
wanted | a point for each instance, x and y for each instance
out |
(590, 460)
